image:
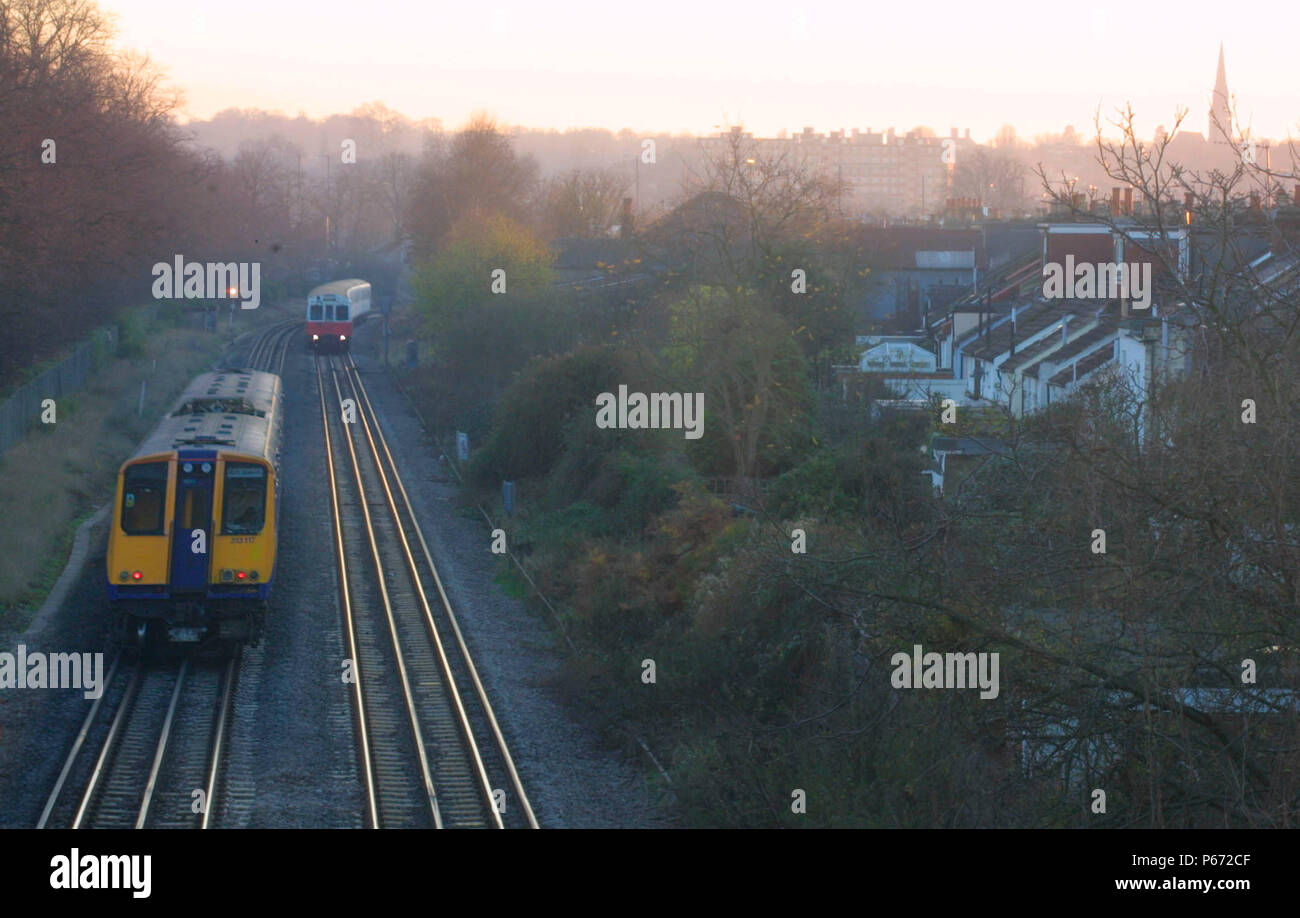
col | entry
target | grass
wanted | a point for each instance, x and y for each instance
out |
(62, 472)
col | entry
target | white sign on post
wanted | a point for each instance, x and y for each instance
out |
(462, 446)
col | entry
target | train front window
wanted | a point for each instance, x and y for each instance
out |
(243, 501)
(144, 492)
(313, 312)
(196, 504)
(341, 312)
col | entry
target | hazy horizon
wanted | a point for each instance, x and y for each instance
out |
(679, 68)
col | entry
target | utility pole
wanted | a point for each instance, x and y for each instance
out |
(328, 202)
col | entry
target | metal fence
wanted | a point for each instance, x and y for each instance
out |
(21, 410)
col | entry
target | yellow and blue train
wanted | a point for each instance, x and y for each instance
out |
(192, 546)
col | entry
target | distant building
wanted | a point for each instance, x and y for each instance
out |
(915, 268)
(1220, 126)
(884, 174)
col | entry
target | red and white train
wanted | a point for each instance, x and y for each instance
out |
(332, 311)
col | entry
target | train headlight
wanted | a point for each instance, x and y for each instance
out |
(315, 337)
(343, 337)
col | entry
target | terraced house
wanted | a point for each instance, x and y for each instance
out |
(1005, 343)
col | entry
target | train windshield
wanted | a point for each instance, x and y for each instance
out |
(341, 312)
(243, 501)
(144, 492)
(313, 312)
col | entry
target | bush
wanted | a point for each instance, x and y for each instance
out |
(529, 426)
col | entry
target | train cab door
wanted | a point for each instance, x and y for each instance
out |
(192, 522)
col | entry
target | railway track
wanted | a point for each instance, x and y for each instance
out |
(430, 750)
(152, 748)
(150, 751)
(271, 346)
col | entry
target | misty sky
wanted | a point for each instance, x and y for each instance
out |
(678, 65)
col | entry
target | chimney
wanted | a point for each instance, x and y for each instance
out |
(1128, 201)
(1114, 201)
(953, 134)
(625, 231)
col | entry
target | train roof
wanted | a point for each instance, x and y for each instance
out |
(232, 409)
(340, 288)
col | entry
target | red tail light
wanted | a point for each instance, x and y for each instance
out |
(136, 575)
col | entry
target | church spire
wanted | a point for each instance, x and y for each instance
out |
(1220, 106)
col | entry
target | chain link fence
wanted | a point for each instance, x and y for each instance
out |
(21, 410)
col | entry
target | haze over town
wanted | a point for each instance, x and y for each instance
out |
(682, 67)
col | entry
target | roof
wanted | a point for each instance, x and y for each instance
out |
(1079, 369)
(1275, 267)
(574, 253)
(339, 288)
(968, 446)
(1076, 346)
(1031, 319)
(232, 409)
(944, 295)
(1006, 281)
(1031, 354)
(911, 247)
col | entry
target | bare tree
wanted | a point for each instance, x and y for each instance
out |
(994, 178)
(583, 202)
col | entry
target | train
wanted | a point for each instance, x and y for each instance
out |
(192, 548)
(333, 310)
